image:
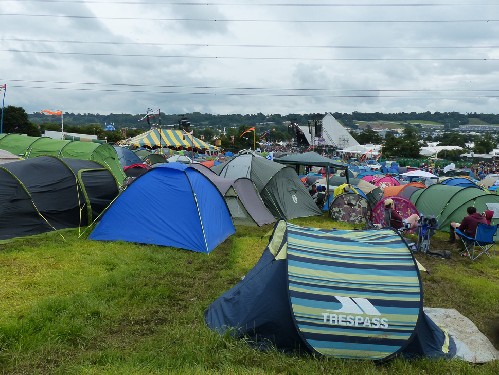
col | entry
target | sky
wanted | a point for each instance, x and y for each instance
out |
(244, 57)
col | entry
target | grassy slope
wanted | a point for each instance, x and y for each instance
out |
(77, 306)
(477, 121)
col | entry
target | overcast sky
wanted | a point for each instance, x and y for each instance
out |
(234, 56)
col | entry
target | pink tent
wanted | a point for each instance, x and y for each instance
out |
(402, 205)
(370, 178)
(386, 181)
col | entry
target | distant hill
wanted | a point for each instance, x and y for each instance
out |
(201, 120)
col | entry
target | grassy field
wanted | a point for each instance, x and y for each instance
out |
(477, 121)
(394, 124)
(73, 306)
(422, 122)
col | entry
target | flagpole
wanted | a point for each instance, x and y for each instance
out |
(254, 139)
(62, 125)
(3, 106)
(160, 133)
(192, 144)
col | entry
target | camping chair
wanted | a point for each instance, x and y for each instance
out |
(482, 243)
(320, 200)
(426, 229)
(387, 220)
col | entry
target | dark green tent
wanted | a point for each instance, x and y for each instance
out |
(47, 193)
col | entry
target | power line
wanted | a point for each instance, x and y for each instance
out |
(266, 58)
(144, 88)
(244, 20)
(243, 45)
(263, 94)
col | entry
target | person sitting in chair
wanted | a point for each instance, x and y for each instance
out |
(313, 191)
(394, 220)
(467, 225)
(321, 196)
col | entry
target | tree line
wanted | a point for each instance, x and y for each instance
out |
(268, 128)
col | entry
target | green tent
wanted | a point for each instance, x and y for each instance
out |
(45, 146)
(448, 203)
(31, 147)
(18, 144)
(148, 157)
(142, 153)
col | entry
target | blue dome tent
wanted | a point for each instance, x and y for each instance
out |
(127, 157)
(171, 205)
(460, 181)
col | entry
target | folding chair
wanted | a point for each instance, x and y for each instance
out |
(481, 243)
(426, 229)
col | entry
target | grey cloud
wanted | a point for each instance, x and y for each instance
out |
(106, 64)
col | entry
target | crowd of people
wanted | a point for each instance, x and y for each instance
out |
(483, 169)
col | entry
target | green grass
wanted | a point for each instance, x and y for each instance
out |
(73, 306)
(477, 121)
(424, 122)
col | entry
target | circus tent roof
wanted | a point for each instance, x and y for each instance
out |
(168, 138)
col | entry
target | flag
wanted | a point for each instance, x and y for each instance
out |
(3, 87)
(49, 112)
(147, 117)
(265, 134)
(364, 156)
(149, 114)
(247, 131)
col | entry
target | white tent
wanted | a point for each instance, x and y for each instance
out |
(368, 150)
(434, 150)
(179, 159)
(333, 134)
(419, 173)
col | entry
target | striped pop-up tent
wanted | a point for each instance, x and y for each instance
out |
(169, 138)
(339, 293)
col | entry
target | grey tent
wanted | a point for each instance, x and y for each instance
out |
(279, 186)
(242, 198)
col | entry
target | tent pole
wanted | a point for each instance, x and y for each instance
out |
(327, 183)
(3, 106)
